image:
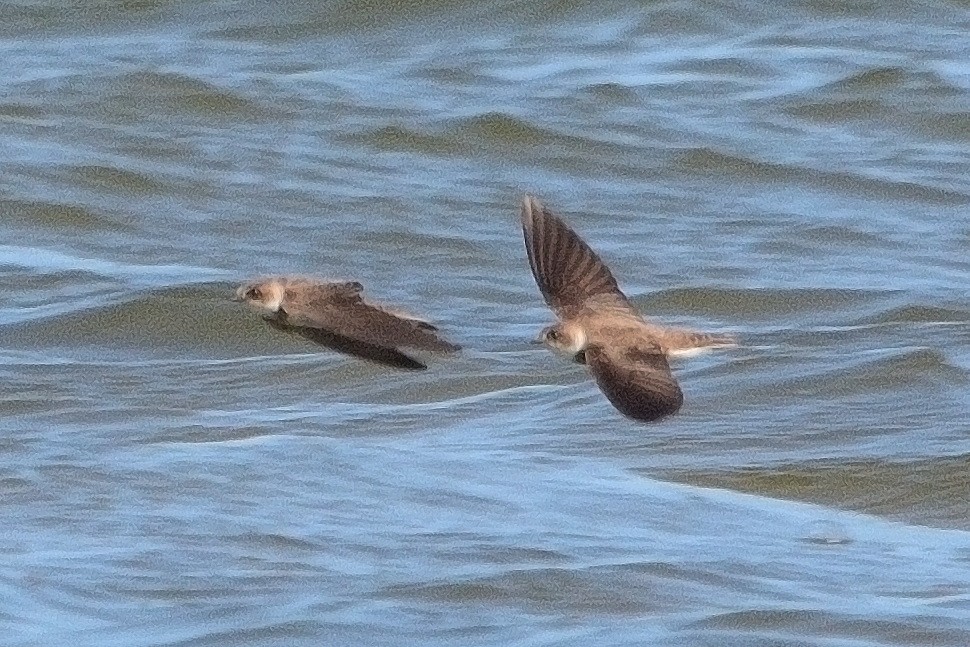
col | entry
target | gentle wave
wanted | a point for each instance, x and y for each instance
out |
(855, 183)
(61, 217)
(794, 174)
(926, 491)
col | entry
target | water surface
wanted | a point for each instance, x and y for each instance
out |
(174, 472)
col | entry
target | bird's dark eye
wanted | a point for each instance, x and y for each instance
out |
(553, 334)
(255, 294)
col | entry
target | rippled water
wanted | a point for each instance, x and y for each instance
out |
(174, 472)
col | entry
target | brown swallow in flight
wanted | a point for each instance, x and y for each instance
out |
(335, 315)
(599, 327)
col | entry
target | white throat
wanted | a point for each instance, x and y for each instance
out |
(579, 341)
(272, 298)
(276, 302)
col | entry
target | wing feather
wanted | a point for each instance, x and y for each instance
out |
(636, 380)
(566, 269)
(345, 313)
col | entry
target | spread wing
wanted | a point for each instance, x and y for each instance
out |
(566, 269)
(343, 312)
(636, 380)
(379, 354)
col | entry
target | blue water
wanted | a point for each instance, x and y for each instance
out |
(175, 472)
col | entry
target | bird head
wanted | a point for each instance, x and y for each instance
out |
(262, 295)
(564, 338)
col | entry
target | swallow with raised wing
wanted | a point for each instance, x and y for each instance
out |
(334, 314)
(599, 327)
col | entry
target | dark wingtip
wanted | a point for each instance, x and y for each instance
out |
(657, 411)
(660, 396)
(371, 352)
(412, 365)
(649, 409)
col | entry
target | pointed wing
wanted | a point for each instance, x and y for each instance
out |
(341, 311)
(636, 380)
(378, 354)
(566, 269)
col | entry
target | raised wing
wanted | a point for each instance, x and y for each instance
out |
(344, 313)
(566, 269)
(636, 380)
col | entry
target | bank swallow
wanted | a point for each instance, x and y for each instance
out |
(599, 327)
(334, 314)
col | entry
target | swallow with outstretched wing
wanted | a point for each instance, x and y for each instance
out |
(334, 314)
(599, 327)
